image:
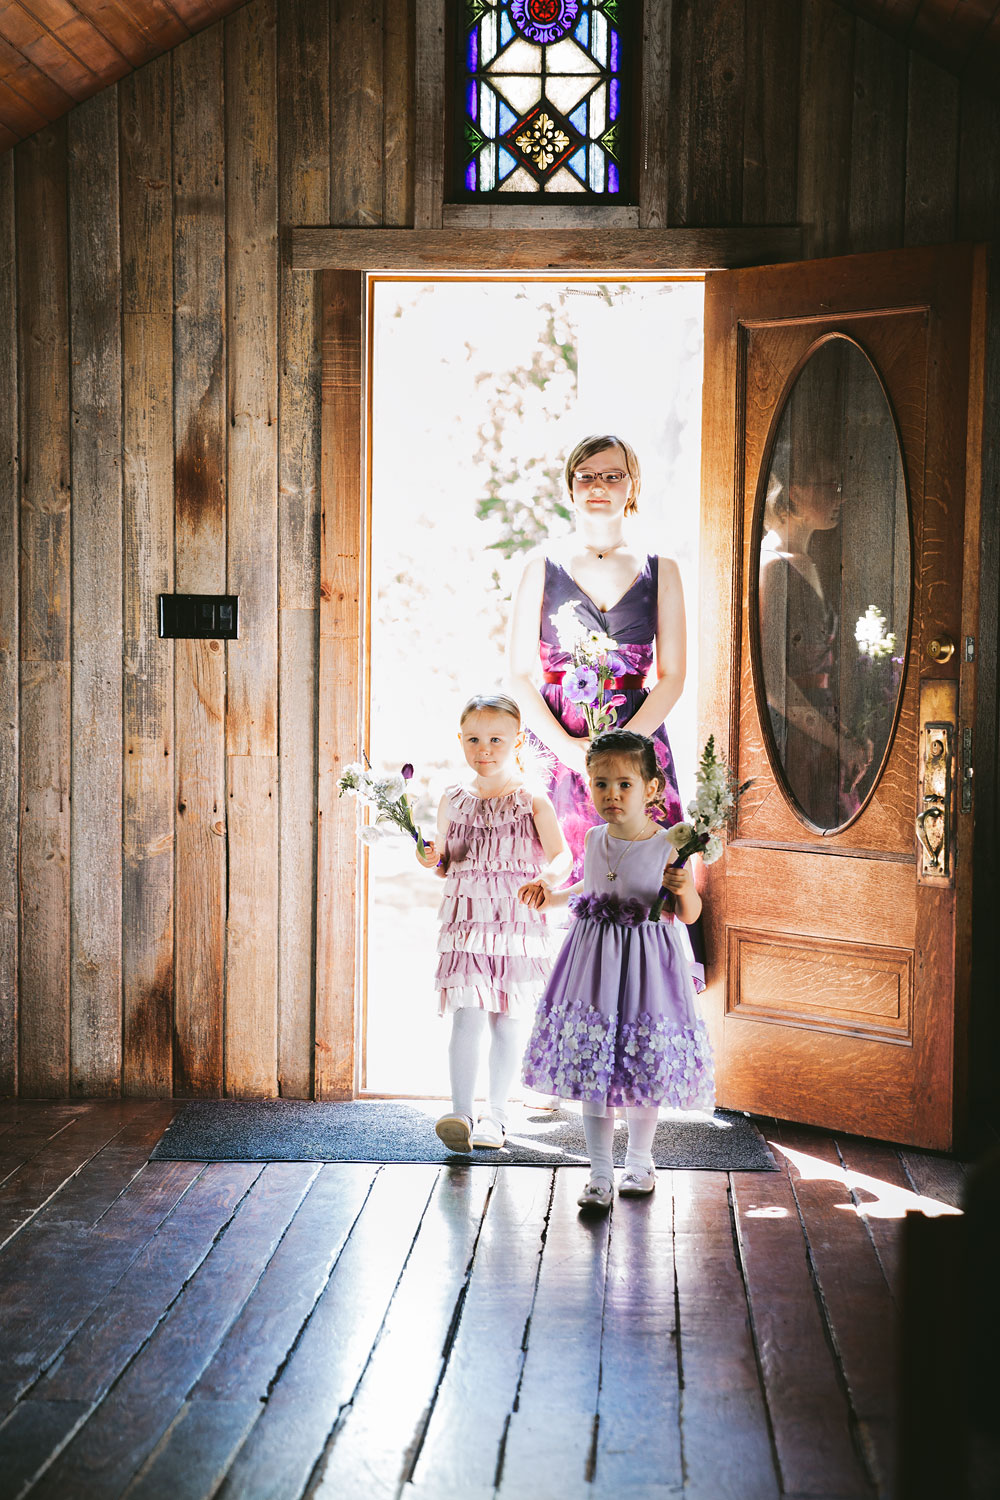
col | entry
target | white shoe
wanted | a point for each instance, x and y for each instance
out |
(597, 1195)
(489, 1134)
(456, 1132)
(637, 1182)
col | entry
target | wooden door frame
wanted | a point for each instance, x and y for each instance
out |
(344, 257)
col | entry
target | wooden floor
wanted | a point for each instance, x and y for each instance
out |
(177, 1330)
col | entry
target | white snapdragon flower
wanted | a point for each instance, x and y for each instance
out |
(712, 850)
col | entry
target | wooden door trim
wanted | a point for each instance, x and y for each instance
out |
(320, 249)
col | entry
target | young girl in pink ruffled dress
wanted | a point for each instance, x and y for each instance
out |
(499, 849)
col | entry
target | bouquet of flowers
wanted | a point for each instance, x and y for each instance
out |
(595, 663)
(713, 807)
(387, 794)
(878, 676)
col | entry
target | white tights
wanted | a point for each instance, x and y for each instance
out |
(468, 1027)
(599, 1133)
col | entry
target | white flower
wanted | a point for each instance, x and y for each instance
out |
(368, 834)
(871, 635)
(567, 626)
(711, 851)
(680, 834)
(393, 786)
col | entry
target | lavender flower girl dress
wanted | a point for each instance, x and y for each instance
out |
(617, 1024)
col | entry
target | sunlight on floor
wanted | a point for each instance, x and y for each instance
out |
(887, 1201)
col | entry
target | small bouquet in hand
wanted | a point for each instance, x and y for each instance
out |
(712, 808)
(595, 663)
(387, 794)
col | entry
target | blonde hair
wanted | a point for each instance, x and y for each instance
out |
(588, 446)
(497, 703)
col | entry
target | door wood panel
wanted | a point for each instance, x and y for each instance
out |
(837, 992)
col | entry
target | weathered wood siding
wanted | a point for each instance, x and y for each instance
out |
(159, 429)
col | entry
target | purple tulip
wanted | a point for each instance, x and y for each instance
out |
(580, 685)
(406, 771)
(616, 701)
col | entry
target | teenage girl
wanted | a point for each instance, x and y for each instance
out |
(496, 840)
(617, 1025)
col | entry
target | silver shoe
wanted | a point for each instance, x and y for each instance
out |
(637, 1184)
(456, 1132)
(489, 1134)
(597, 1195)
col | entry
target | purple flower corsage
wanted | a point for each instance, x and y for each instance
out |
(599, 908)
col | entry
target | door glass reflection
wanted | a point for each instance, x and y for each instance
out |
(834, 584)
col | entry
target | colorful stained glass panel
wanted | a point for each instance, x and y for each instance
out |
(546, 85)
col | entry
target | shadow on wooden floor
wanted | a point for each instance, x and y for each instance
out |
(179, 1330)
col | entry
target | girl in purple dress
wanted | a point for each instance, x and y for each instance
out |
(617, 1024)
(494, 837)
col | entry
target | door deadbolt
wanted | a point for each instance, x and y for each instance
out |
(941, 648)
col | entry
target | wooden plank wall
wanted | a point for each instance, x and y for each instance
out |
(159, 429)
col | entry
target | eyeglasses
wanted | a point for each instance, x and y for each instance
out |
(585, 477)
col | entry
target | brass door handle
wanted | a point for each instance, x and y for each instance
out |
(941, 648)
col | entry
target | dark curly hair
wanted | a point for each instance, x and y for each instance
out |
(638, 748)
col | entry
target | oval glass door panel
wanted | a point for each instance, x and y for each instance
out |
(833, 595)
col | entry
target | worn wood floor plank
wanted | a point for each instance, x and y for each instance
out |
(860, 1314)
(638, 1435)
(938, 1177)
(88, 1195)
(721, 1391)
(458, 1459)
(126, 1318)
(807, 1405)
(27, 1134)
(29, 1435)
(31, 1186)
(77, 1269)
(330, 1357)
(883, 1193)
(132, 1418)
(550, 1439)
(227, 1399)
(373, 1451)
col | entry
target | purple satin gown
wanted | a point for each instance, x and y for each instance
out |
(632, 623)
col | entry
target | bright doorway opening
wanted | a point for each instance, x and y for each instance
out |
(479, 388)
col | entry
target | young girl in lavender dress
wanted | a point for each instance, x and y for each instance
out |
(617, 1024)
(495, 839)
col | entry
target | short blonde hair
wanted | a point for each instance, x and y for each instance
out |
(586, 449)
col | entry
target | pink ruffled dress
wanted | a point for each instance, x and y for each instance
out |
(494, 953)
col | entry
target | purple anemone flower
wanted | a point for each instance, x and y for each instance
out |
(580, 685)
(615, 664)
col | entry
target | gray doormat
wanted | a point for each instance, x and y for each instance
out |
(393, 1130)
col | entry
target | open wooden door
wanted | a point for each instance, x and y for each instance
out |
(839, 597)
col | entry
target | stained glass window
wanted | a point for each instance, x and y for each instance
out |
(544, 100)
